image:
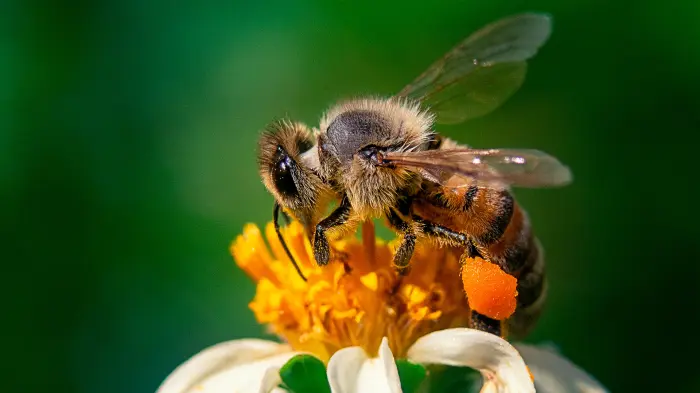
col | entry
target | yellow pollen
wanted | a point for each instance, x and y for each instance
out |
(356, 299)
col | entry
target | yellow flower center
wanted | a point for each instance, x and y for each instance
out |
(357, 298)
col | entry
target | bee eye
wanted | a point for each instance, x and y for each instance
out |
(282, 173)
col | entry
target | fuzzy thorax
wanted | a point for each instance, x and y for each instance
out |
(353, 133)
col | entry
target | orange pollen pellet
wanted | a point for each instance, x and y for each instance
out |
(490, 291)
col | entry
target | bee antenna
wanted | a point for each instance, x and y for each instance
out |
(275, 220)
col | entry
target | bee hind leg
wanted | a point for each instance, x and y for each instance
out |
(477, 320)
(485, 324)
(453, 237)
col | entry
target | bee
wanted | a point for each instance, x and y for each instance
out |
(380, 157)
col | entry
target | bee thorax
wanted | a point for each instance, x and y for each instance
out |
(351, 131)
(372, 191)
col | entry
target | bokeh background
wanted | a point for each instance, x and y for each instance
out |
(127, 143)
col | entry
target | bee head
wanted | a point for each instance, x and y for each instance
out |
(287, 170)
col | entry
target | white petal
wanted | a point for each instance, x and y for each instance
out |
(351, 371)
(499, 362)
(343, 368)
(270, 381)
(225, 367)
(553, 373)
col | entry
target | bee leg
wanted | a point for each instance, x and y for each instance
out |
(339, 216)
(453, 237)
(405, 251)
(485, 324)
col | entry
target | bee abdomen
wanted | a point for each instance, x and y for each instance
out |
(469, 197)
(515, 248)
(519, 254)
(531, 278)
(532, 293)
(491, 211)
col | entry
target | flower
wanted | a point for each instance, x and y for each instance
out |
(358, 316)
(355, 300)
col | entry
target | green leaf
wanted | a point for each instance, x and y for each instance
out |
(305, 374)
(454, 379)
(410, 374)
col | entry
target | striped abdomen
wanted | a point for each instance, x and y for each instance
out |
(500, 230)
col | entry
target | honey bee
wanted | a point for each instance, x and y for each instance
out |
(380, 157)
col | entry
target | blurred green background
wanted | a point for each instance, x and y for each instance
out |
(127, 143)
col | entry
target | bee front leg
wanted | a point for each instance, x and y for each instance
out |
(339, 216)
(405, 251)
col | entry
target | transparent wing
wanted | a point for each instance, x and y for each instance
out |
(493, 167)
(483, 71)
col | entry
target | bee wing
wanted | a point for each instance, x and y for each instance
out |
(493, 167)
(483, 71)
